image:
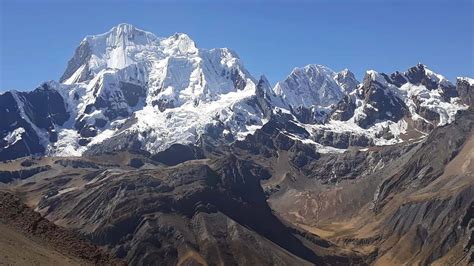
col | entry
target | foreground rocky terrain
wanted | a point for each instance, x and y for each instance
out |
(211, 210)
(268, 199)
(28, 239)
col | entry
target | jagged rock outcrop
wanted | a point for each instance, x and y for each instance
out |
(465, 88)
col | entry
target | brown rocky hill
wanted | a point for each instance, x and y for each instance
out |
(29, 239)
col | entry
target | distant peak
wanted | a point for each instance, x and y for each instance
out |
(420, 65)
(124, 27)
(316, 66)
(263, 78)
(311, 69)
(180, 35)
(263, 81)
(415, 74)
(117, 34)
(346, 73)
(180, 43)
(346, 79)
(373, 75)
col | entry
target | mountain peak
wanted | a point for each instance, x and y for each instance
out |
(124, 27)
(346, 79)
(180, 44)
(312, 68)
(421, 74)
(311, 85)
(121, 35)
(117, 48)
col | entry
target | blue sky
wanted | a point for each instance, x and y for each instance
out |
(271, 37)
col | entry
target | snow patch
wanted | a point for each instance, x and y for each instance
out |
(468, 80)
(13, 137)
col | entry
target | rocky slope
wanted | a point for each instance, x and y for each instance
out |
(398, 204)
(29, 238)
(268, 194)
(158, 214)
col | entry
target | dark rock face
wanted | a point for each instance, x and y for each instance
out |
(263, 98)
(344, 109)
(83, 142)
(115, 100)
(178, 153)
(466, 92)
(272, 136)
(100, 123)
(11, 120)
(310, 115)
(417, 75)
(381, 104)
(36, 111)
(76, 163)
(239, 82)
(136, 162)
(347, 80)
(45, 107)
(163, 104)
(9, 176)
(426, 113)
(301, 155)
(351, 164)
(132, 93)
(88, 132)
(340, 140)
(111, 103)
(28, 163)
(397, 79)
(81, 55)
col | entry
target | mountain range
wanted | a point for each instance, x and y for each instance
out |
(129, 88)
(164, 153)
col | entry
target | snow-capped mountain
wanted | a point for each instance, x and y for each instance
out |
(128, 88)
(134, 88)
(312, 91)
(388, 109)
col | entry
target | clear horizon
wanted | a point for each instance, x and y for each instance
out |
(38, 39)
